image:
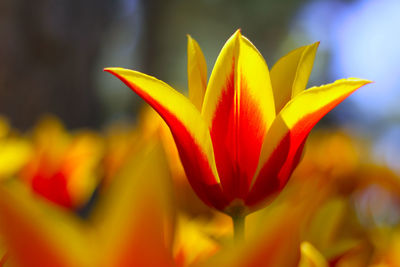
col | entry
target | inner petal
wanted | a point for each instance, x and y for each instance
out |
(237, 133)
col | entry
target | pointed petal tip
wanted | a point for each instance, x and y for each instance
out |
(367, 81)
(112, 70)
(363, 81)
(360, 83)
(236, 38)
(314, 46)
(237, 34)
(191, 42)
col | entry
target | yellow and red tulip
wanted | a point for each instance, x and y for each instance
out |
(241, 143)
(62, 167)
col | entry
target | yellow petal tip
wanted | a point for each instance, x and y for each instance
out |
(108, 69)
(238, 33)
(316, 44)
(364, 81)
(112, 69)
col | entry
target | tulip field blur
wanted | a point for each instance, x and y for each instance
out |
(120, 197)
(169, 190)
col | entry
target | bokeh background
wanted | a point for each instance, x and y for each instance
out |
(52, 53)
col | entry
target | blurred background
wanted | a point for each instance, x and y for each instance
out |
(52, 53)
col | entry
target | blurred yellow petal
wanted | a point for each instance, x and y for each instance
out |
(192, 244)
(135, 217)
(289, 76)
(120, 143)
(311, 257)
(389, 255)
(197, 73)
(275, 243)
(80, 163)
(51, 138)
(14, 153)
(37, 234)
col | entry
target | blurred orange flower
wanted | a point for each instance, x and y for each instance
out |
(62, 167)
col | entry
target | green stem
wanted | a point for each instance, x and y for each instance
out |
(238, 227)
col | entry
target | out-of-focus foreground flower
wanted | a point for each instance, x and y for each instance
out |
(62, 167)
(130, 226)
(241, 136)
(335, 211)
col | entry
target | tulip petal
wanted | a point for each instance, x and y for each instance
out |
(284, 141)
(38, 234)
(239, 108)
(311, 257)
(197, 73)
(188, 128)
(135, 217)
(289, 76)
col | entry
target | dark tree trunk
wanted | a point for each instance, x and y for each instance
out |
(48, 50)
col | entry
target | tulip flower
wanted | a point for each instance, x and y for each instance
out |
(61, 167)
(241, 135)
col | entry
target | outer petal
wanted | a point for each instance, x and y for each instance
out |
(289, 76)
(197, 73)
(283, 144)
(238, 108)
(188, 128)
